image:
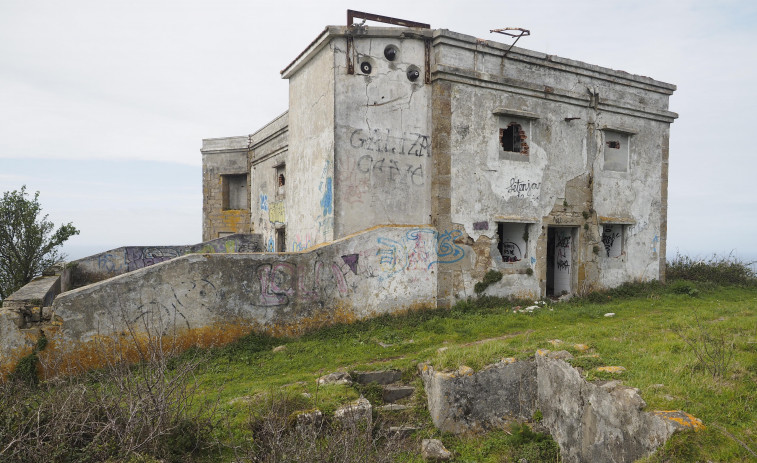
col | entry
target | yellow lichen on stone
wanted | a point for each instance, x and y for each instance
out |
(465, 371)
(542, 352)
(581, 347)
(682, 418)
(508, 359)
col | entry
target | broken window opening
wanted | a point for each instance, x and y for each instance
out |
(280, 180)
(612, 240)
(513, 139)
(234, 191)
(512, 241)
(613, 144)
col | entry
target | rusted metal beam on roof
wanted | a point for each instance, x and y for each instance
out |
(427, 77)
(350, 63)
(352, 14)
(516, 32)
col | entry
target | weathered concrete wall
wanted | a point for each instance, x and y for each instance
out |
(269, 150)
(310, 194)
(382, 270)
(383, 132)
(601, 421)
(591, 421)
(129, 258)
(568, 112)
(220, 157)
(464, 401)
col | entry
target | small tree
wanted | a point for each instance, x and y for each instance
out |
(28, 244)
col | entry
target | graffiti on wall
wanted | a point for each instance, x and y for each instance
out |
(301, 242)
(419, 249)
(386, 141)
(277, 212)
(391, 169)
(264, 202)
(522, 189)
(562, 252)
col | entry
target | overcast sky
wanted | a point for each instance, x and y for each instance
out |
(103, 104)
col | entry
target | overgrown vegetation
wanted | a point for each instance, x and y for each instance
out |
(241, 402)
(718, 270)
(491, 277)
(28, 244)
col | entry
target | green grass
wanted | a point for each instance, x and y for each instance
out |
(639, 337)
(646, 336)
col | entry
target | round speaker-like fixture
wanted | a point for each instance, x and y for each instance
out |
(365, 67)
(391, 52)
(413, 73)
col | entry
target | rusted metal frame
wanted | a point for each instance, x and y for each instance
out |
(427, 43)
(352, 14)
(504, 31)
(350, 63)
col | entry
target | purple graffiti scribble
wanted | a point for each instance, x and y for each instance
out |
(351, 261)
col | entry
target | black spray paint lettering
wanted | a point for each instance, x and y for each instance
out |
(563, 264)
(522, 189)
(384, 142)
(390, 168)
(608, 239)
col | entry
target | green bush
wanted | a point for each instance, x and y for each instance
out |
(491, 277)
(726, 270)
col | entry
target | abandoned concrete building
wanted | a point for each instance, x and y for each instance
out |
(411, 163)
(551, 171)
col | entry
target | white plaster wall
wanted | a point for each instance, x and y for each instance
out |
(486, 188)
(310, 162)
(383, 145)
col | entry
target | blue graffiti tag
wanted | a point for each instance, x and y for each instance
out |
(263, 202)
(447, 251)
(327, 200)
(271, 245)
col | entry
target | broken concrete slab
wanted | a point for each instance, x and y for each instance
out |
(378, 377)
(395, 393)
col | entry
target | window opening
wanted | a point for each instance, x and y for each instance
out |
(234, 191)
(513, 139)
(612, 240)
(613, 145)
(512, 241)
(280, 180)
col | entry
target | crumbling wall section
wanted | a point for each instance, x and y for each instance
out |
(548, 143)
(383, 270)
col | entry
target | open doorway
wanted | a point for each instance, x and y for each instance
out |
(560, 244)
(281, 239)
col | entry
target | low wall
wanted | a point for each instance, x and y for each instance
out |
(129, 258)
(382, 270)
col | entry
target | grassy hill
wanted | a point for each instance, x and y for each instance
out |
(689, 345)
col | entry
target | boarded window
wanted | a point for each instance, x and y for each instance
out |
(234, 191)
(512, 241)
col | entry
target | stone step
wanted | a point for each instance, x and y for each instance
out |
(394, 393)
(380, 377)
(393, 408)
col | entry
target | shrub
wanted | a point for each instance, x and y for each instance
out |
(491, 277)
(726, 270)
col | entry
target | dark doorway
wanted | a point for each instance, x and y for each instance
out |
(281, 239)
(560, 243)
